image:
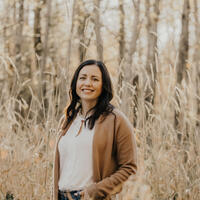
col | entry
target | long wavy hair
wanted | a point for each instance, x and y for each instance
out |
(103, 105)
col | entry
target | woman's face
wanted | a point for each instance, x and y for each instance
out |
(89, 83)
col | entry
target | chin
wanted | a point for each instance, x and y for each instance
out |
(88, 99)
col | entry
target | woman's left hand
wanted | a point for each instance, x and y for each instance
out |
(82, 194)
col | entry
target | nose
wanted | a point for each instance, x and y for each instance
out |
(87, 81)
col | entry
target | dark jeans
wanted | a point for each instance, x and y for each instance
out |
(73, 195)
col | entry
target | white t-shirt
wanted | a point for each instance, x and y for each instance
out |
(75, 153)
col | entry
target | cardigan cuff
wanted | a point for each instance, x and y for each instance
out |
(91, 191)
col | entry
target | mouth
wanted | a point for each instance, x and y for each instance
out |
(87, 90)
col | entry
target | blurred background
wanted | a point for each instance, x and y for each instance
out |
(152, 51)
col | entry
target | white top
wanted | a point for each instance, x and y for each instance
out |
(75, 153)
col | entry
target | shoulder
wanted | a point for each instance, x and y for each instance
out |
(118, 113)
(121, 121)
(120, 116)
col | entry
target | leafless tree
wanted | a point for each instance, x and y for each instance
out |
(99, 41)
(197, 58)
(183, 54)
(152, 13)
(83, 17)
(71, 30)
(126, 74)
(46, 35)
(184, 43)
(121, 47)
(135, 33)
(19, 29)
(44, 56)
(121, 31)
(37, 33)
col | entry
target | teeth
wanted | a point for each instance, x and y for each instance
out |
(87, 90)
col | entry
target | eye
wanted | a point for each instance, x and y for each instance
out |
(82, 78)
(95, 79)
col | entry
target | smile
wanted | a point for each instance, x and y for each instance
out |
(87, 90)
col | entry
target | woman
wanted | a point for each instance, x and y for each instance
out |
(96, 150)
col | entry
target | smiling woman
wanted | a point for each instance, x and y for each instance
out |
(96, 151)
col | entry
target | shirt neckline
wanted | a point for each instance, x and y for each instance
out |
(81, 116)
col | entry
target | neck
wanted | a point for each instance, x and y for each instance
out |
(86, 106)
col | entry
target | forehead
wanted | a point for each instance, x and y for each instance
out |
(92, 70)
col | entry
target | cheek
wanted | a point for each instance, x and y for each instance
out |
(77, 87)
(78, 84)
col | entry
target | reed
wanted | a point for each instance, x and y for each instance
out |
(168, 158)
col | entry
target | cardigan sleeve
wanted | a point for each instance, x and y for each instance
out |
(126, 160)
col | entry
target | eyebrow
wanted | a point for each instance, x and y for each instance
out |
(92, 75)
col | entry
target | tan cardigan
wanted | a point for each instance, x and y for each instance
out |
(114, 156)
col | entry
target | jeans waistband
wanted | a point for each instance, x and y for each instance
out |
(70, 193)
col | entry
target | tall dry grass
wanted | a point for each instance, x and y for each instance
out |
(169, 159)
